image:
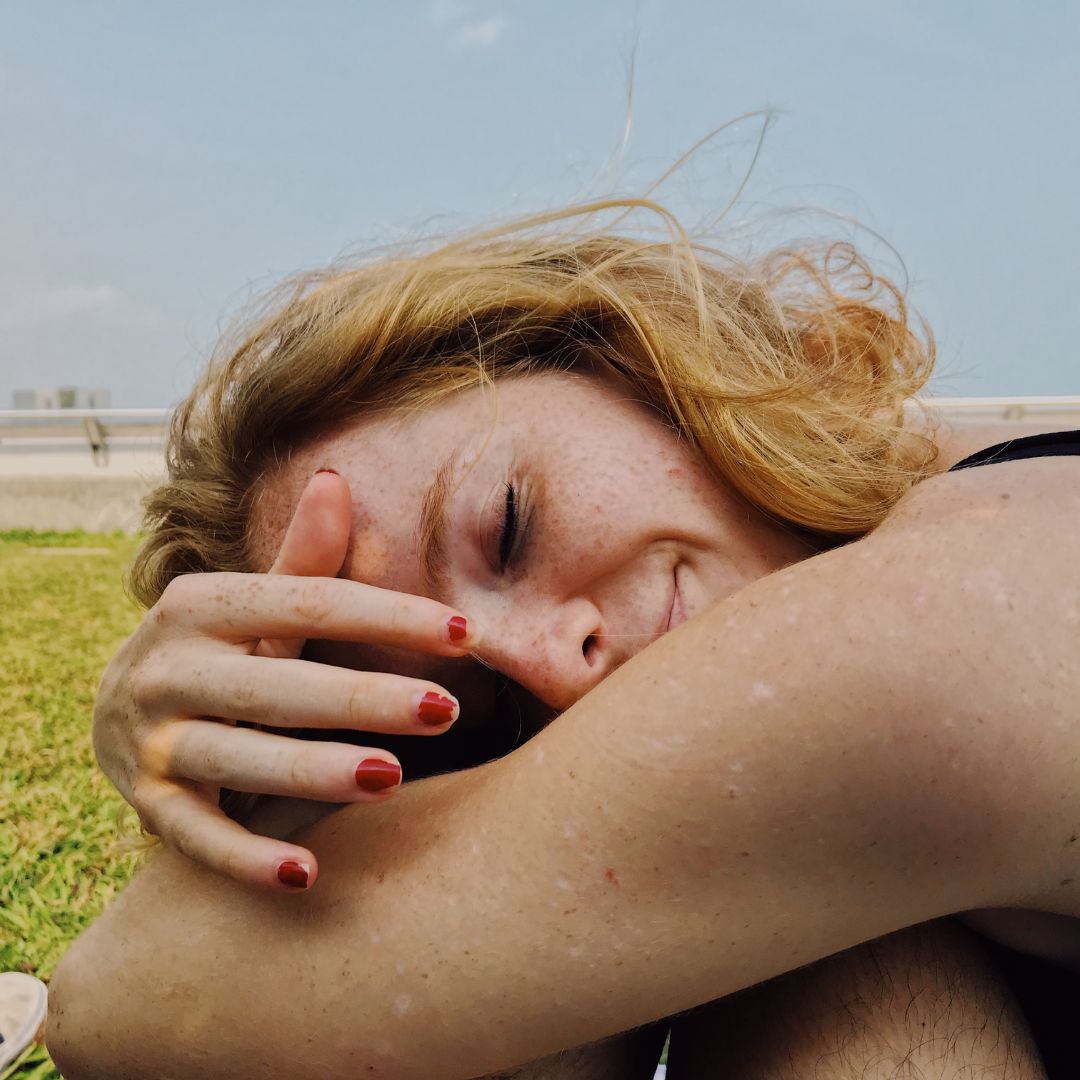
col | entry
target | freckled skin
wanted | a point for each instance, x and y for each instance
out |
(613, 505)
(619, 784)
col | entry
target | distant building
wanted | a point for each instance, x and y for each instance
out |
(62, 397)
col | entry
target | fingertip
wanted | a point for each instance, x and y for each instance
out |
(434, 709)
(377, 776)
(297, 872)
(463, 633)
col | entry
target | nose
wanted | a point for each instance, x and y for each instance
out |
(555, 651)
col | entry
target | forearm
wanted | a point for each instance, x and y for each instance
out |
(686, 830)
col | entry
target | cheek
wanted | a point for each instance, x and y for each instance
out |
(371, 559)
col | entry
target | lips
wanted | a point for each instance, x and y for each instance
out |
(676, 611)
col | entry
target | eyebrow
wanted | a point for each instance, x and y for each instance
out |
(431, 543)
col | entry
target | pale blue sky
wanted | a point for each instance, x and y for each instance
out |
(159, 160)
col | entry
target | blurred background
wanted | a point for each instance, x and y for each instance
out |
(162, 161)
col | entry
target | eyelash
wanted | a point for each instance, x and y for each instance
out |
(510, 528)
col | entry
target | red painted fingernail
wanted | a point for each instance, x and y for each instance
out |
(293, 873)
(458, 629)
(374, 774)
(436, 709)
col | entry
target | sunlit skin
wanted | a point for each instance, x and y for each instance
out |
(622, 533)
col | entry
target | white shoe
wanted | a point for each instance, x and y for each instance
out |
(23, 1004)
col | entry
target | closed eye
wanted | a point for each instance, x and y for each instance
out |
(508, 530)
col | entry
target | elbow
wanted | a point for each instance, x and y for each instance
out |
(82, 1018)
(64, 1038)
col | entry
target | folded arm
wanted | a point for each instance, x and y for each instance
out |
(803, 768)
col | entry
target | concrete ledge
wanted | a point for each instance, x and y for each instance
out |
(95, 503)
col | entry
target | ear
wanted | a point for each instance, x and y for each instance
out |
(318, 535)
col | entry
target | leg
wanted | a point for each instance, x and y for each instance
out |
(924, 1003)
(630, 1056)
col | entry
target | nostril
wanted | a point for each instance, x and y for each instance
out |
(588, 645)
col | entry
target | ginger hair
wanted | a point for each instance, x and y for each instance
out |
(789, 373)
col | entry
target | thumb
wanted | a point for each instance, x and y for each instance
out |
(315, 543)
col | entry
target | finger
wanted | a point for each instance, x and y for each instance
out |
(315, 543)
(238, 607)
(245, 760)
(204, 834)
(304, 694)
(317, 538)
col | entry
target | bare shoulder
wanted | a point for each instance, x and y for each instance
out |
(1007, 527)
(1046, 487)
(979, 592)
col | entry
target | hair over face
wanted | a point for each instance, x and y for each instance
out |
(789, 374)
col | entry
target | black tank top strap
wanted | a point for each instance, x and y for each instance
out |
(1052, 444)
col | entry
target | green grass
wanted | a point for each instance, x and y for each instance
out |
(62, 615)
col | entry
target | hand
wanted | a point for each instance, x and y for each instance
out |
(218, 648)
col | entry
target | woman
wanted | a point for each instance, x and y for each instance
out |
(676, 504)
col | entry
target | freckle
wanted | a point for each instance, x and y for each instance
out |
(732, 792)
(674, 473)
(1066, 881)
(744, 853)
(611, 877)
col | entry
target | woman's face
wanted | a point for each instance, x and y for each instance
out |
(561, 516)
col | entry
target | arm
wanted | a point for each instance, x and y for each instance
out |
(774, 782)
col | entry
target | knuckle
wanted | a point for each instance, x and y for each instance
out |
(402, 616)
(230, 862)
(313, 603)
(145, 806)
(150, 683)
(154, 751)
(182, 836)
(303, 771)
(213, 767)
(245, 699)
(356, 706)
(180, 594)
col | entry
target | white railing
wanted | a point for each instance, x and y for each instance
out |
(97, 429)
(1029, 409)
